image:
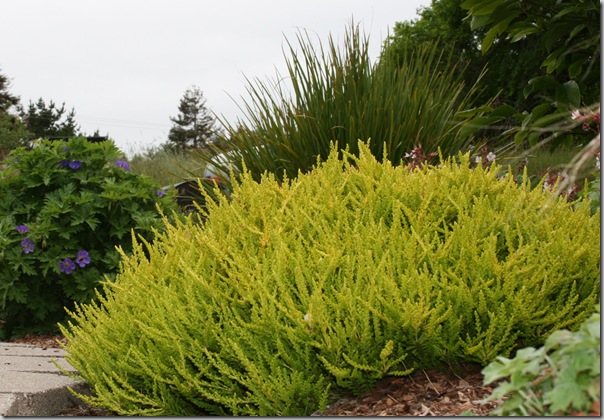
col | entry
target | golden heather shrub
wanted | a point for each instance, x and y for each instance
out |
(292, 294)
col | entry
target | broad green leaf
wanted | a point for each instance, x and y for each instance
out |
(504, 110)
(568, 96)
(575, 69)
(522, 29)
(471, 112)
(557, 31)
(495, 31)
(575, 31)
(533, 138)
(541, 109)
(470, 4)
(519, 137)
(552, 62)
(487, 7)
(566, 393)
(539, 84)
(477, 124)
(564, 11)
(480, 21)
(558, 338)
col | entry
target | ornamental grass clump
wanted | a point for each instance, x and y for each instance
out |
(295, 293)
(334, 93)
(64, 207)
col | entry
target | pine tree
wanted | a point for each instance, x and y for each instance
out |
(13, 132)
(46, 120)
(194, 125)
(7, 99)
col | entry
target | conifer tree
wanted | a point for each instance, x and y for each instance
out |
(47, 120)
(194, 125)
(7, 99)
(13, 132)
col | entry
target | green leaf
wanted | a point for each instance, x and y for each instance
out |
(556, 32)
(486, 7)
(519, 137)
(541, 109)
(527, 360)
(470, 4)
(575, 31)
(540, 83)
(575, 69)
(519, 35)
(480, 21)
(568, 96)
(495, 31)
(477, 124)
(504, 111)
(566, 393)
(472, 112)
(552, 62)
(564, 11)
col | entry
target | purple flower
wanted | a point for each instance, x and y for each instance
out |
(67, 266)
(75, 165)
(64, 163)
(82, 258)
(27, 245)
(65, 148)
(122, 164)
(22, 229)
(160, 193)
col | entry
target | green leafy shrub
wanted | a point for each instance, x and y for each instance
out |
(559, 379)
(293, 293)
(64, 207)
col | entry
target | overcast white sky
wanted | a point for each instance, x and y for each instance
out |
(124, 65)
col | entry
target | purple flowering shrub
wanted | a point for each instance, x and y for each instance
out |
(64, 208)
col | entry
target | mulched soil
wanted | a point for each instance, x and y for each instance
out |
(422, 393)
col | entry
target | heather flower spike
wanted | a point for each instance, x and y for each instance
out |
(67, 266)
(27, 245)
(82, 259)
(22, 229)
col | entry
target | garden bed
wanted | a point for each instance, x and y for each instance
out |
(423, 393)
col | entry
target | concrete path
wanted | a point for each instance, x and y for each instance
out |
(31, 384)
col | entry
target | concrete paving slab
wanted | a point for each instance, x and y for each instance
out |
(7, 401)
(24, 382)
(39, 364)
(32, 385)
(10, 349)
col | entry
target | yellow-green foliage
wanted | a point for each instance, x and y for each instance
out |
(290, 294)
